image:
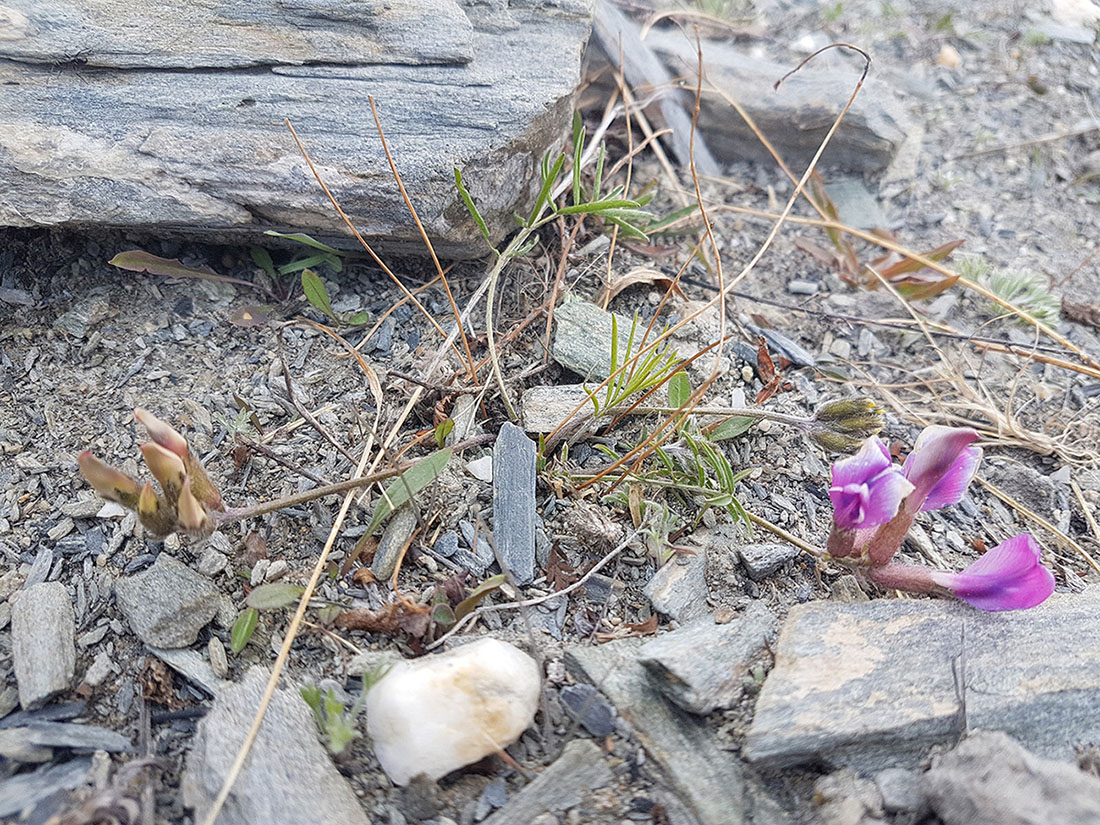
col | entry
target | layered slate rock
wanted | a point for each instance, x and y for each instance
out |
(42, 631)
(178, 121)
(704, 782)
(875, 684)
(862, 685)
(289, 777)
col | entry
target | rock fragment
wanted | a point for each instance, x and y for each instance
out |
(703, 779)
(22, 792)
(679, 588)
(991, 779)
(393, 541)
(701, 666)
(579, 769)
(761, 560)
(288, 778)
(434, 715)
(514, 512)
(167, 604)
(43, 632)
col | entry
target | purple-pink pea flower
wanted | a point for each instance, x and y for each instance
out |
(867, 488)
(941, 466)
(1008, 577)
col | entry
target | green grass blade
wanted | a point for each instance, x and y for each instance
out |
(411, 482)
(472, 209)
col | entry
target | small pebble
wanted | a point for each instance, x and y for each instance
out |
(259, 570)
(276, 570)
(797, 287)
(218, 661)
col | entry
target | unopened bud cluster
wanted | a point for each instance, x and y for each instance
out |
(187, 496)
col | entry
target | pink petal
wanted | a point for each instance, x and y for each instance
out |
(872, 459)
(887, 492)
(934, 456)
(1008, 577)
(951, 488)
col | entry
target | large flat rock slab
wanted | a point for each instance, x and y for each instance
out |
(876, 684)
(201, 146)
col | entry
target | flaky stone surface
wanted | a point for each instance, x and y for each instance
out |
(43, 647)
(288, 778)
(188, 142)
(167, 604)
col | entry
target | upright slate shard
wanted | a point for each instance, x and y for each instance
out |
(514, 502)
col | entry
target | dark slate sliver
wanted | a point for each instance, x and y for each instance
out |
(28, 789)
(514, 502)
(587, 705)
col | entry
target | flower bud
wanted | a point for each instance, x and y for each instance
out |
(161, 433)
(192, 517)
(155, 514)
(166, 468)
(842, 425)
(110, 483)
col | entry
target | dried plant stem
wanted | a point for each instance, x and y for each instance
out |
(816, 552)
(1042, 522)
(1089, 517)
(565, 591)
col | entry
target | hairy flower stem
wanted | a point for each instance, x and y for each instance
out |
(760, 415)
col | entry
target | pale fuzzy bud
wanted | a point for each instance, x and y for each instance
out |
(166, 468)
(161, 433)
(192, 517)
(110, 483)
(155, 515)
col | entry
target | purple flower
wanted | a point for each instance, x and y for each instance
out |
(1008, 577)
(942, 464)
(867, 488)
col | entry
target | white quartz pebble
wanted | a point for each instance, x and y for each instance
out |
(436, 714)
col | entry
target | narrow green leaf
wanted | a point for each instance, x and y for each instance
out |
(274, 596)
(472, 209)
(412, 481)
(303, 238)
(315, 292)
(628, 230)
(578, 149)
(442, 430)
(669, 219)
(679, 389)
(549, 177)
(358, 319)
(307, 262)
(731, 428)
(596, 207)
(477, 594)
(242, 629)
(262, 258)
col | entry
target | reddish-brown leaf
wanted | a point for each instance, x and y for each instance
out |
(255, 548)
(769, 390)
(559, 573)
(765, 368)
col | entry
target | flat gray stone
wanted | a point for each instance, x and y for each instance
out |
(189, 130)
(394, 538)
(288, 778)
(704, 780)
(991, 779)
(21, 793)
(545, 408)
(514, 513)
(167, 604)
(701, 666)
(237, 33)
(873, 685)
(43, 633)
(582, 339)
(761, 560)
(1028, 673)
(901, 790)
(863, 685)
(796, 116)
(73, 736)
(679, 588)
(580, 769)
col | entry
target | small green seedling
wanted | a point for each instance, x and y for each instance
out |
(338, 724)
